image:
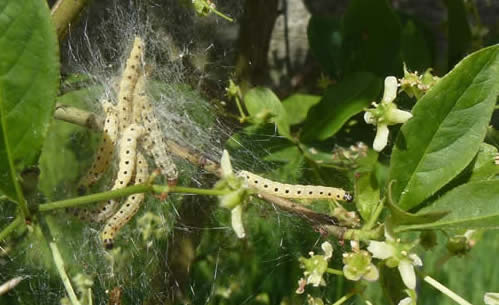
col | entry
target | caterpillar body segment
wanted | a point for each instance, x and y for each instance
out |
(139, 97)
(129, 208)
(105, 149)
(156, 143)
(294, 191)
(128, 151)
(128, 82)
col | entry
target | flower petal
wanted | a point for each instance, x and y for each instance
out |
(491, 298)
(225, 164)
(381, 138)
(416, 261)
(405, 301)
(369, 118)
(407, 273)
(380, 249)
(328, 250)
(397, 116)
(390, 92)
(237, 221)
(372, 275)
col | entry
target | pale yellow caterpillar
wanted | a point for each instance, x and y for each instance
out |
(153, 140)
(496, 159)
(126, 167)
(294, 191)
(105, 149)
(128, 82)
(129, 208)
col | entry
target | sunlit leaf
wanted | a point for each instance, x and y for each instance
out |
(449, 124)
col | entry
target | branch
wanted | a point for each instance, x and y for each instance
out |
(77, 116)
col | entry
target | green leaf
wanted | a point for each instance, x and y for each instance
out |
(325, 40)
(459, 31)
(371, 38)
(29, 77)
(340, 102)
(484, 167)
(470, 206)
(298, 105)
(449, 124)
(400, 216)
(264, 106)
(416, 52)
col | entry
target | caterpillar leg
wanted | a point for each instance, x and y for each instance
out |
(129, 208)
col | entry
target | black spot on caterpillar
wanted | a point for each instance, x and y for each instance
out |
(129, 208)
(105, 149)
(294, 191)
(128, 82)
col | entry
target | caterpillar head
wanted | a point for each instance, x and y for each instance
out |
(348, 197)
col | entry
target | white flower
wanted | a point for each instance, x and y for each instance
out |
(491, 298)
(385, 114)
(234, 199)
(395, 254)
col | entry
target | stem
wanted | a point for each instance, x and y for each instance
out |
(222, 15)
(139, 188)
(73, 202)
(63, 13)
(344, 298)
(374, 217)
(451, 294)
(242, 119)
(334, 271)
(58, 261)
(10, 227)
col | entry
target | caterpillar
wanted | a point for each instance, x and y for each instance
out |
(294, 191)
(128, 82)
(105, 149)
(129, 208)
(496, 159)
(153, 140)
(128, 146)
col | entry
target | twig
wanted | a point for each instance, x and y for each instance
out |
(63, 13)
(10, 284)
(77, 116)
